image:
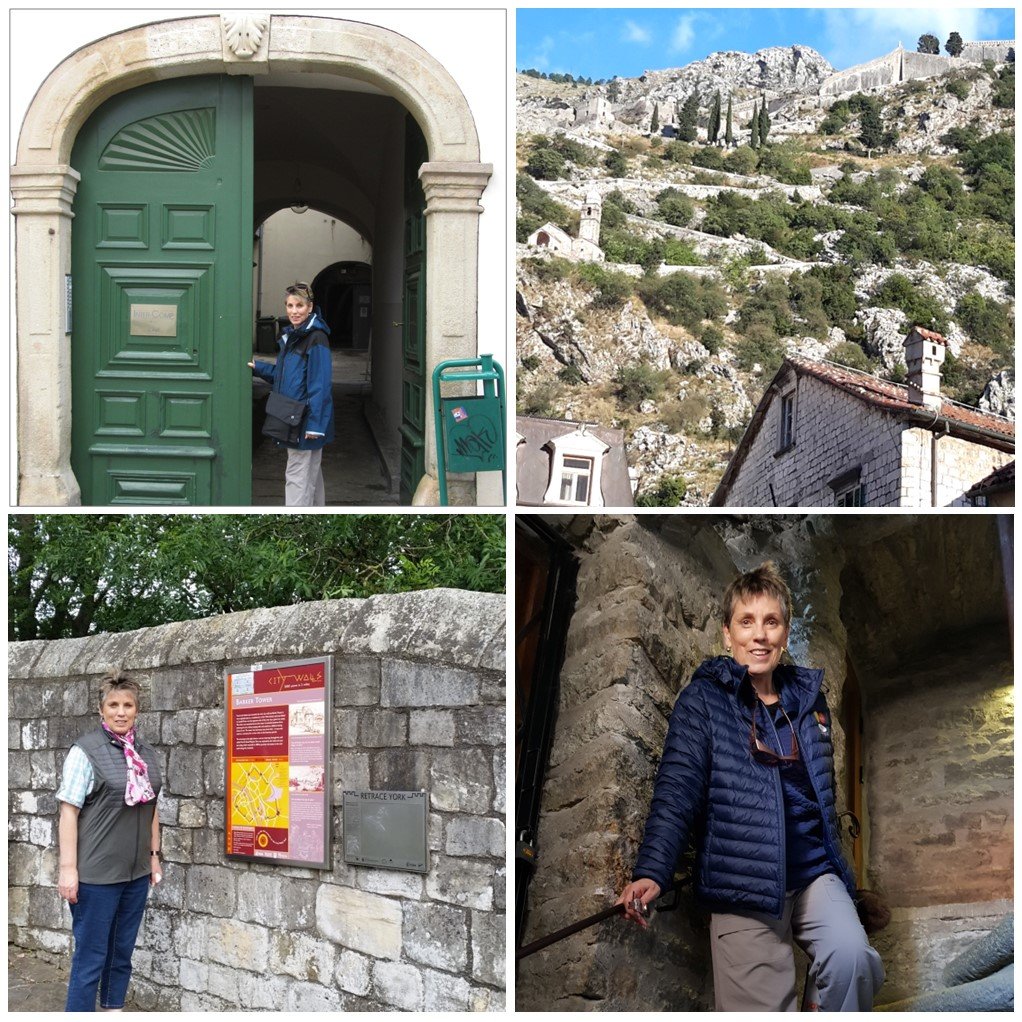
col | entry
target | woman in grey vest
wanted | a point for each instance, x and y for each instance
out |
(109, 836)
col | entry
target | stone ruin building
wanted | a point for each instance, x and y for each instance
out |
(910, 617)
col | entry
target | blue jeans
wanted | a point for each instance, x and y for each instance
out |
(105, 922)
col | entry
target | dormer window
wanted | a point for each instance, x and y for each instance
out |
(576, 464)
(576, 476)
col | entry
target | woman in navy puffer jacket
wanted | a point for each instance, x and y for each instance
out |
(747, 774)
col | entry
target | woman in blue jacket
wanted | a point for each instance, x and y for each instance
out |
(304, 372)
(747, 774)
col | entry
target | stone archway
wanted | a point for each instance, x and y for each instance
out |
(43, 185)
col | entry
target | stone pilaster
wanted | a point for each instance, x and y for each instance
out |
(452, 194)
(42, 208)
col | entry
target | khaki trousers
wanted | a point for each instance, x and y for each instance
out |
(303, 479)
(754, 963)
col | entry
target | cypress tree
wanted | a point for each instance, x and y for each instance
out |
(654, 125)
(764, 123)
(713, 128)
(687, 119)
(729, 135)
(754, 138)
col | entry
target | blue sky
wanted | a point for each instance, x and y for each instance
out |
(604, 42)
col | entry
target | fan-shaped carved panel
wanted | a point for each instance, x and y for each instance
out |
(183, 140)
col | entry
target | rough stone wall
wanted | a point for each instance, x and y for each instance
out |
(926, 65)
(988, 49)
(871, 75)
(960, 464)
(941, 805)
(834, 432)
(418, 704)
(648, 598)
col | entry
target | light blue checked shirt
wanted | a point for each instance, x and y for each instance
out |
(78, 778)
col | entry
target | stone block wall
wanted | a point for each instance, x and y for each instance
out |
(941, 805)
(834, 432)
(960, 464)
(418, 704)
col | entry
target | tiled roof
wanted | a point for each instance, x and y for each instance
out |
(930, 335)
(893, 397)
(1002, 478)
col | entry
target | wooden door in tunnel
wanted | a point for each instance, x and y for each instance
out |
(413, 329)
(161, 255)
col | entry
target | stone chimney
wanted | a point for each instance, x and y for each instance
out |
(924, 355)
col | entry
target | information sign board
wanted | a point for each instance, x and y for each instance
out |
(278, 776)
(386, 829)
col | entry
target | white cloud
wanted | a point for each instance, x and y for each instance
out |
(541, 59)
(635, 33)
(684, 33)
(859, 34)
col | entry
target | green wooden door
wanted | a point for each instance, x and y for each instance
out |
(413, 330)
(162, 296)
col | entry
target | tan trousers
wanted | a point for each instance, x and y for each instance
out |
(754, 963)
(303, 479)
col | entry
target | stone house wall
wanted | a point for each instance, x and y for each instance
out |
(418, 704)
(833, 432)
(960, 464)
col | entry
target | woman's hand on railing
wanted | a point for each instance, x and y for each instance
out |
(637, 897)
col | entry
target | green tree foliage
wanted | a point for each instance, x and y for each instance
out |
(546, 165)
(1003, 94)
(954, 45)
(684, 300)
(713, 126)
(851, 355)
(754, 128)
(987, 322)
(957, 87)
(928, 43)
(677, 151)
(729, 134)
(674, 207)
(919, 306)
(688, 119)
(654, 124)
(669, 491)
(614, 91)
(638, 383)
(742, 160)
(871, 127)
(786, 162)
(709, 157)
(74, 575)
(538, 208)
(764, 122)
(616, 164)
(611, 288)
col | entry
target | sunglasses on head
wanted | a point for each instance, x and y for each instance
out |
(300, 290)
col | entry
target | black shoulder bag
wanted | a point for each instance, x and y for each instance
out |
(285, 417)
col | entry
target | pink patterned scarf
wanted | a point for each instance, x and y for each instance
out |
(139, 789)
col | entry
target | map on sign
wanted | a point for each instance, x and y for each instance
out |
(278, 762)
(259, 796)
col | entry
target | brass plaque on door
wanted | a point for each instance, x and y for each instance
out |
(153, 321)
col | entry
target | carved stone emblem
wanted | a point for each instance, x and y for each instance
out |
(244, 32)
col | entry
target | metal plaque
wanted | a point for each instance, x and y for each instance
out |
(386, 829)
(278, 777)
(153, 320)
(473, 434)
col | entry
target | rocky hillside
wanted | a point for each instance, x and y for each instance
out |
(858, 216)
